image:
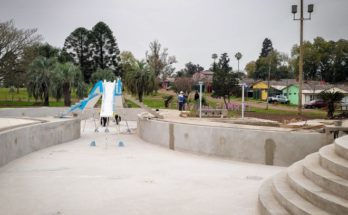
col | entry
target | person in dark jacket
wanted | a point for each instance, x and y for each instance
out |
(196, 99)
(117, 119)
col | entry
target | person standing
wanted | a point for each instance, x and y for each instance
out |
(185, 102)
(196, 99)
(181, 100)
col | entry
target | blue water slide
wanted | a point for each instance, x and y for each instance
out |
(97, 90)
(118, 88)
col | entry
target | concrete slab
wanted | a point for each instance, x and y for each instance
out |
(249, 123)
(139, 178)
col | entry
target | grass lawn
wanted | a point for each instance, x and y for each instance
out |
(131, 104)
(5, 95)
(21, 99)
(157, 100)
(278, 115)
(311, 114)
(7, 104)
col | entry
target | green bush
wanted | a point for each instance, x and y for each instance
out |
(167, 100)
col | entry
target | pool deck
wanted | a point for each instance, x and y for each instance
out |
(9, 123)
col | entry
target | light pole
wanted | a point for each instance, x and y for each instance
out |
(300, 65)
(200, 98)
(243, 100)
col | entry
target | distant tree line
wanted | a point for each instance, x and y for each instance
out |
(91, 55)
(86, 57)
(269, 61)
(323, 61)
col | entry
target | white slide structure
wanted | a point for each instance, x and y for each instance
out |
(107, 107)
(111, 93)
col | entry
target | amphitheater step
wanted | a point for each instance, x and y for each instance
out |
(268, 205)
(341, 146)
(324, 178)
(332, 162)
(314, 193)
(291, 200)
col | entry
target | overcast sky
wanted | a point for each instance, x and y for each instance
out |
(191, 29)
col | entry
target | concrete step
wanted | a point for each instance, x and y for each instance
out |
(332, 162)
(324, 178)
(291, 200)
(313, 193)
(341, 146)
(268, 205)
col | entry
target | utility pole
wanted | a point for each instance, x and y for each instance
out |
(300, 64)
(200, 98)
(300, 69)
(269, 78)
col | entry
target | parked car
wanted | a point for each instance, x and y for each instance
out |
(315, 104)
(278, 99)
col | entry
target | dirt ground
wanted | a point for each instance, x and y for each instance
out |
(278, 118)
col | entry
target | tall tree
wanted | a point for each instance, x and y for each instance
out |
(77, 45)
(250, 69)
(103, 74)
(274, 62)
(238, 56)
(13, 41)
(267, 47)
(214, 56)
(192, 69)
(21, 66)
(63, 79)
(183, 84)
(323, 60)
(189, 70)
(331, 98)
(159, 60)
(224, 80)
(48, 51)
(127, 63)
(141, 80)
(263, 63)
(104, 48)
(39, 78)
(340, 65)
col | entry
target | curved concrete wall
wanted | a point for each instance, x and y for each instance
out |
(31, 112)
(17, 142)
(130, 114)
(265, 146)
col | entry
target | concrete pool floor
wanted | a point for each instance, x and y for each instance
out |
(139, 178)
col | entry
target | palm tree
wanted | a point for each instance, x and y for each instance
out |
(140, 80)
(65, 76)
(103, 74)
(214, 56)
(238, 57)
(331, 98)
(39, 74)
